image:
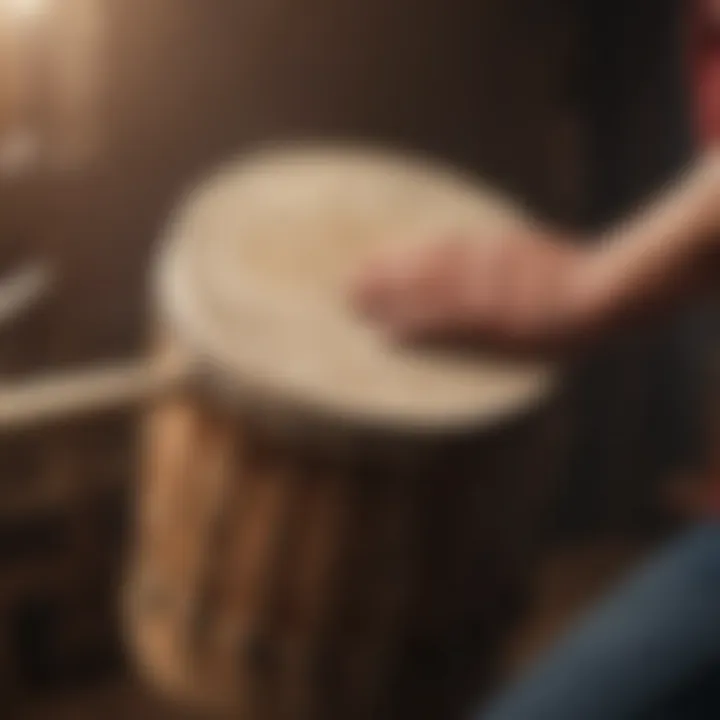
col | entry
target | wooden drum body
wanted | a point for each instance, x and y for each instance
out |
(289, 580)
(309, 547)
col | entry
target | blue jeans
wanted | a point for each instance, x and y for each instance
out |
(650, 651)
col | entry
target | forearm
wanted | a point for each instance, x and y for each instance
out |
(670, 253)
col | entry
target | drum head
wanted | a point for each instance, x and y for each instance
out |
(254, 280)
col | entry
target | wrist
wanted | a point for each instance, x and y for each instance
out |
(661, 256)
(702, 194)
(685, 215)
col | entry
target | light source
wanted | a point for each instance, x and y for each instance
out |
(26, 8)
(21, 28)
(49, 55)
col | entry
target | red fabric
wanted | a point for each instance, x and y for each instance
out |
(704, 48)
(704, 57)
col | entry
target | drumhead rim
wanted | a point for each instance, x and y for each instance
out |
(174, 304)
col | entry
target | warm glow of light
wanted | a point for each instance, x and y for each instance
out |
(26, 8)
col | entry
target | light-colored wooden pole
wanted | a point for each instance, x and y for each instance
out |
(23, 289)
(66, 396)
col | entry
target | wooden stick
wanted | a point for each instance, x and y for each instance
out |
(22, 290)
(63, 397)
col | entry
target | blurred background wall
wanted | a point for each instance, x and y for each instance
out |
(640, 400)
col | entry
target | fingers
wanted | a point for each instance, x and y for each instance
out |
(412, 292)
(511, 293)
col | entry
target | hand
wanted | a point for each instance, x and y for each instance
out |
(526, 292)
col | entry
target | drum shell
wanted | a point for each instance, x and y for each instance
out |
(280, 574)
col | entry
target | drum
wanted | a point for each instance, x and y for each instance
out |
(329, 526)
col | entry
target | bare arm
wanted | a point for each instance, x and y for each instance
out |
(534, 292)
(670, 252)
